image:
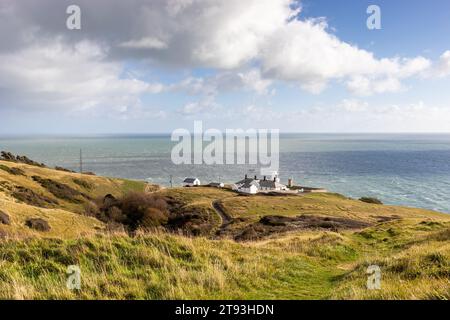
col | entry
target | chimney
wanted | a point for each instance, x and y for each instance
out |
(256, 178)
(245, 177)
(290, 182)
(275, 179)
(264, 178)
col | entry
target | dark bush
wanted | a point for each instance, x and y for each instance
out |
(112, 226)
(116, 215)
(370, 200)
(109, 201)
(30, 197)
(38, 224)
(83, 183)
(64, 169)
(4, 218)
(61, 190)
(14, 171)
(91, 209)
(135, 205)
(153, 218)
(136, 209)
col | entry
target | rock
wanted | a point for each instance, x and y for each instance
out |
(4, 218)
(8, 156)
(38, 224)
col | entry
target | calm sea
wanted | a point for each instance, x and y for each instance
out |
(403, 169)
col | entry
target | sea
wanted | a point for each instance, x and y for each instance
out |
(400, 169)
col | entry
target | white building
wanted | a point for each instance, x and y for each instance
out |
(191, 182)
(249, 188)
(217, 184)
(255, 185)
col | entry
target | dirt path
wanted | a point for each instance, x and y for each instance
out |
(226, 218)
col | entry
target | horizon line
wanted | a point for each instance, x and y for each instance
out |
(36, 134)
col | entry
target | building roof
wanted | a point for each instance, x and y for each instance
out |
(250, 183)
(216, 184)
(248, 180)
(190, 180)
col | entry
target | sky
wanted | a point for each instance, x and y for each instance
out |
(152, 66)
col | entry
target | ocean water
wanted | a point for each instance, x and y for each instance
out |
(403, 169)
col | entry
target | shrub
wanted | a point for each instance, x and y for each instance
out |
(60, 190)
(91, 209)
(30, 197)
(14, 171)
(115, 227)
(38, 224)
(135, 206)
(64, 169)
(153, 218)
(116, 215)
(83, 183)
(134, 210)
(370, 200)
(4, 218)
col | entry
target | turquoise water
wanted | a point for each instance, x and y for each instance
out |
(404, 169)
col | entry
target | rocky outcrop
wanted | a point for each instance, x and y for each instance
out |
(8, 156)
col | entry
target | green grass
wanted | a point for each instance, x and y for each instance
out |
(132, 185)
(159, 267)
(413, 256)
(326, 204)
(308, 265)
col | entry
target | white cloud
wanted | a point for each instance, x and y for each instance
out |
(306, 53)
(74, 78)
(249, 80)
(206, 106)
(144, 43)
(254, 81)
(353, 105)
(442, 67)
(365, 86)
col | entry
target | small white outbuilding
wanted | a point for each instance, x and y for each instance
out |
(191, 182)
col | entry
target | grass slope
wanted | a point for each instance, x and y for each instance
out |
(313, 265)
(65, 217)
(412, 251)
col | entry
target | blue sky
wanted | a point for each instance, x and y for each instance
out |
(154, 66)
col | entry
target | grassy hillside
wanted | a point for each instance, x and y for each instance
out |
(22, 197)
(315, 246)
(313, 210)
(311, 265)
